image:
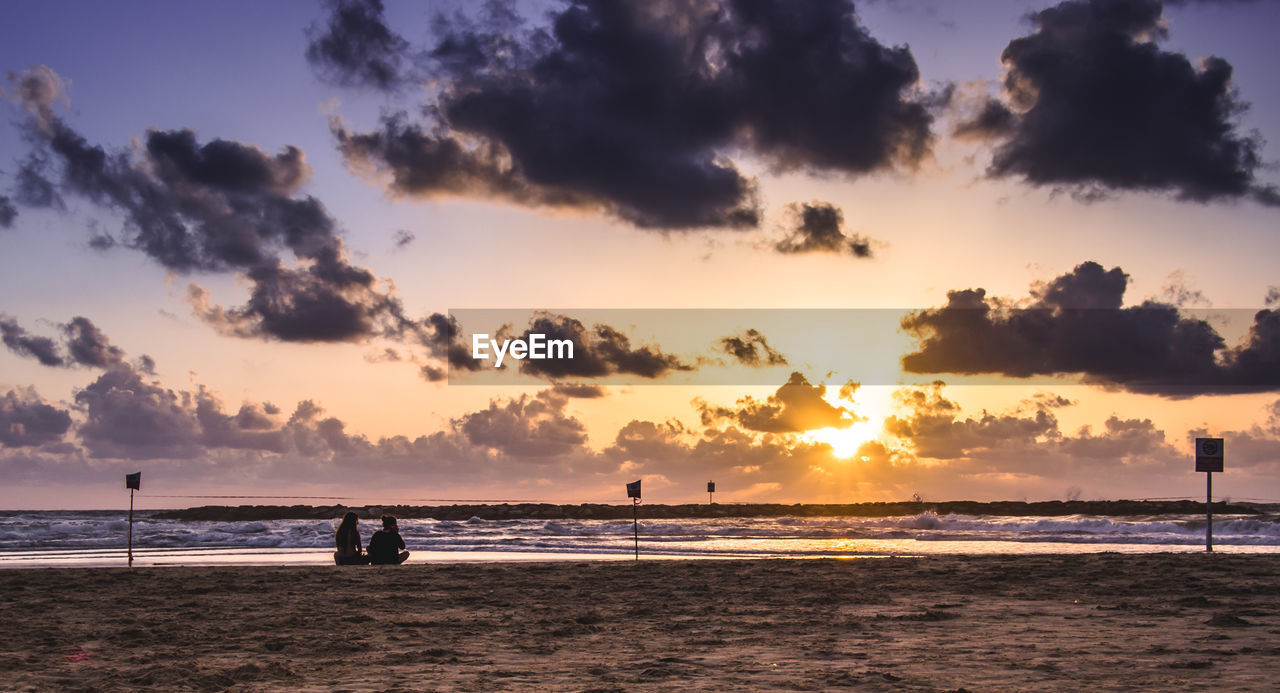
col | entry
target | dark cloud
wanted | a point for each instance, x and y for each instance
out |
(1076, 324)
(751, 349)
(217, 206)
(1179, 3)
(704, 192)
(1119, 439)
(597, 352)
(525, 427)
(357, 49)
(1255, 362)
(818, 230)
(27, 420)
(43, 349)
(796, 407)
(433, 374)
(128, 417)
(442, 336)
(511, 440)
(993, 120)
(7, 213)
(635, 108)
(324, 300)
(88, 346)
(83, 342)
(445, 350)
(1092, 103)
(250, 428)
(579, 390)
(146, 364)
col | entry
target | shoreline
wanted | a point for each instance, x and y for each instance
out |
(1046, 622)
(597, 511)
(250, 557)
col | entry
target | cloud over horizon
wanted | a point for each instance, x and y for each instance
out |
(756, 448)
(26, 419)
(1076, 324)
(795, 407)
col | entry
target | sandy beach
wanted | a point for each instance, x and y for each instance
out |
(1084, 622)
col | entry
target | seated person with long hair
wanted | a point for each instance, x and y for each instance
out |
(385, 546)
(348, 540)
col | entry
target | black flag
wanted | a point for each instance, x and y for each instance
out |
(633, 489)
(133, 481)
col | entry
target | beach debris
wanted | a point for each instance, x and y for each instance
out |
(1228, 620)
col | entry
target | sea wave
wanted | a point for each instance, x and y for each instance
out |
(767, 535)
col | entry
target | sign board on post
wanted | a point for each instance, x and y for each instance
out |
(133, 482)
(633, 492)
(1209, 454)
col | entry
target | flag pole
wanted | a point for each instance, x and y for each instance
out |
(633, 492)
(130, 528)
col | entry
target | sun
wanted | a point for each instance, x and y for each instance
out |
(872, 403)
(845, 442)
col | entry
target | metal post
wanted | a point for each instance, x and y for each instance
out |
(130, 528)
(1208, 512)
(635, 523)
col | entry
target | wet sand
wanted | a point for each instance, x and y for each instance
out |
(1080, 622)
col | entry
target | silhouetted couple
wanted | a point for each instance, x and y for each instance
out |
(385, 546)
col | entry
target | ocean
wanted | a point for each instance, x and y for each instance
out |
(98, 538)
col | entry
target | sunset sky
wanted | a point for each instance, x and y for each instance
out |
(816, 251)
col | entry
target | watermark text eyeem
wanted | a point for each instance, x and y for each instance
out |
(537, 347)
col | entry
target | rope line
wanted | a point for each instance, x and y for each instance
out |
(596, 502)
(152, 495)
(353, 498)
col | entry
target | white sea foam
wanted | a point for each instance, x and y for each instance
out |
(783, 536)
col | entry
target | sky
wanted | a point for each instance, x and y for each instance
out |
(815, 251)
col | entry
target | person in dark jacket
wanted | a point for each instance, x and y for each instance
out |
(385, 546)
